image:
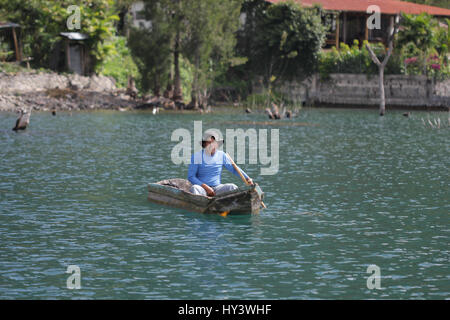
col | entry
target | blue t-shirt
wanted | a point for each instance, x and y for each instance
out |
(208, 169)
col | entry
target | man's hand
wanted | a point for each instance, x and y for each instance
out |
(209, 191)
(250, 181)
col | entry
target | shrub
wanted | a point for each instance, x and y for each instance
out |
(354, 60)
(119, 64)
(43, 20)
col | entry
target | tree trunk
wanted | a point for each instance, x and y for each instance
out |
(382, 93)
(157, 88)
(382, 65)
(177, 93)
(195, 101)
(168, 92)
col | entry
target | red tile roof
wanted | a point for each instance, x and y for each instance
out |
(386, 6)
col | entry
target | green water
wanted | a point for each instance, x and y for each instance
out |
(354, 190)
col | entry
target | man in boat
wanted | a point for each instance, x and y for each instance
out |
(206, 168)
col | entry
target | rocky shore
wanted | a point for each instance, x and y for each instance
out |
(45, 91)
(56, 92)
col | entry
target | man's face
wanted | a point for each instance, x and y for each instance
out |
(210, 146)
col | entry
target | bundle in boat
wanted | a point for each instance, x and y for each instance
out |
(175, 193)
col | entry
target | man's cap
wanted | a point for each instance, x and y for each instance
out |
(209, 134)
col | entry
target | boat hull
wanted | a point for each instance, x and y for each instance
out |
(174, 193)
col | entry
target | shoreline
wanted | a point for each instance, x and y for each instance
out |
(48, 92)
(53, 92)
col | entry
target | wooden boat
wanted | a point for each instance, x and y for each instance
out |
(175, 193)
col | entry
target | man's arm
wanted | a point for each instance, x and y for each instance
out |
(192, 172)
(227, 164)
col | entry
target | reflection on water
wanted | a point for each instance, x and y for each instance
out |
(353, 190)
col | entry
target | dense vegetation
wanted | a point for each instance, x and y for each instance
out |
(422, 47)
(195, 46)
(43, 20)
(281, 42)
(119, 63)
(199, 34)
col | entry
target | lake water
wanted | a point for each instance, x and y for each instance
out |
(352, 190)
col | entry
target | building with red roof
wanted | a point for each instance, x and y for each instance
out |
(350, 17)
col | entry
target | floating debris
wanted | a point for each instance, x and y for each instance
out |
(311, 213)
(435, 123)
(273, 123)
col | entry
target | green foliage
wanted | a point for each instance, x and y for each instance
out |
(152, 59)
(119, 64)
(205, 32)
(442, 40)
(424, 46)
(356, 59)
(417, 29)
(43, 20)
(5, 51)
(284, 41)
(9, 67)
(209, 39)
(13, 67)
(152, 48)
(421, 49)
(258, 100)
(263, 99)
(187, 77)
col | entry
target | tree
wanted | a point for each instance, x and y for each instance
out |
(152, 57)
(203, 31)
(382, 65)
(43, 20)
(418, 31)
(152, 47)
(210, 41)
(253, 12)
(285, 42)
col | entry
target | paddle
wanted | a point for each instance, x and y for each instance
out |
(242, 176)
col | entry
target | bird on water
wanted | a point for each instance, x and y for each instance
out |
(23, 120)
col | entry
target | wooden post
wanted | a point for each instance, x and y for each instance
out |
(366, 34)
(337, 30)
(177, 93)
(16, 44)
(391, 27)
(68, 54)
(344, 29)
(83, 60)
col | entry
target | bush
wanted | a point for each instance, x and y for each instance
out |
(352, 60)
(119, 64)
(264, 99)
(43, 20)
(283, 40)
(424, 46)
(5, 51)
(408, 60)
(187, 77)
